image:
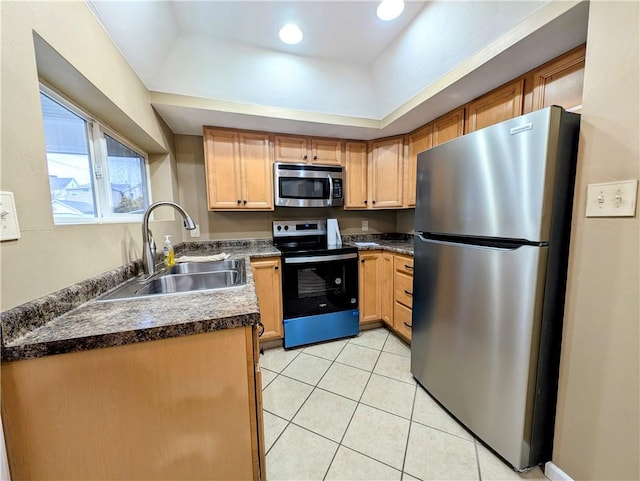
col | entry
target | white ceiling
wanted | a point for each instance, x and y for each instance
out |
(354, 76)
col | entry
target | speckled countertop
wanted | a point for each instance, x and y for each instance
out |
(73, 320)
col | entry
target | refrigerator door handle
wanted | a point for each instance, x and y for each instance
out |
(479, 243)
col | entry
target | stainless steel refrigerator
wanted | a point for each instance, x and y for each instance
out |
(492, 230)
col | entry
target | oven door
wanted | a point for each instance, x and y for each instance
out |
(319, 284)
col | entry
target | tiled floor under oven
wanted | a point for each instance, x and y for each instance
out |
(351, 410)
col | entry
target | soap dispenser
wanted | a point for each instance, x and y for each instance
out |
(167, 250)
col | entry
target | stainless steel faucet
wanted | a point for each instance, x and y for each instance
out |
(148, 244)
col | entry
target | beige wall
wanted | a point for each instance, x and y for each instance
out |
(597, 428)
(82, 58)
(248, 225)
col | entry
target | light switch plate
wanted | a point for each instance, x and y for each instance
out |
(612, 199)
(365, 225)
(9, 229)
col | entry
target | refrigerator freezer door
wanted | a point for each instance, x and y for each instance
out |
(476, 319)
(496, 182)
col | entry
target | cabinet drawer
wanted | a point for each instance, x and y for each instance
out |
(402, 320)
(404, 264)
(404, 289)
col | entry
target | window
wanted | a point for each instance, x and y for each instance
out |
(94, 175)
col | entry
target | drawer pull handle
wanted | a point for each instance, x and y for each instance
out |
(406, 266)
(260, 329)
(408, 293)
(408, 325)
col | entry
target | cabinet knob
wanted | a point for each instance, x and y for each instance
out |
(365, 201)
(304, 158)
(315, 157)
(239, 201)
(373, 201)
(362, 260)
(244, 201)
(275, 267)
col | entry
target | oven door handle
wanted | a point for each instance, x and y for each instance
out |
(310, 259)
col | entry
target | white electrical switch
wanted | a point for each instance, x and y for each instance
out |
(612, 199)
(195, 232)
(9, 229)
(365, 225)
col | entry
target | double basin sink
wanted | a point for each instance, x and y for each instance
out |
(183, 278)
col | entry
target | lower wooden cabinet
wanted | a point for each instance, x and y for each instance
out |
(403, 295)
(386, 290)
(181, 408)
(369, 284)
(267, 274)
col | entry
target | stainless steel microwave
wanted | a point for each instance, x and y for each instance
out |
(307, 185)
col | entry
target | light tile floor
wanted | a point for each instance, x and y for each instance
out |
(351, 410)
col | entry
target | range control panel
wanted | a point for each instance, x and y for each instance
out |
(287, 228)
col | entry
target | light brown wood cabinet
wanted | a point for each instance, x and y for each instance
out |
(386, 288)
(238, 170)
(267, 274)
(403, 295)
(560, 82)
(181, 408)
(369, 285)
(448, 127)
(386, 173)
(503, 103)
(419, 141)
(355, 172)
(317, 150)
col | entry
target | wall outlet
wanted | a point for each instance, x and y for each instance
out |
(612, 199)
(365, 225)
(195, 232)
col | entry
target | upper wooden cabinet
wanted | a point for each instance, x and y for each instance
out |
(448, 127)
(560, 81)
(355, 175)
(386, 173)
(290, 148)
(503, 103)
(419, 141)
(238, 170)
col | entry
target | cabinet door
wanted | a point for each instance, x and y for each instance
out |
(266, 273)
(369, 286)
(288, 148)
(222, 167)
(419, 141)
(503, 103)
(326, 151)
(560, 81)
(257, 173)
(356, 175)
(386, 173)
(386, 289)
(448, 127)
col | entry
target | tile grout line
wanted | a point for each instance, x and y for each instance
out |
(354, 412)
(475, 445)
(406, 446)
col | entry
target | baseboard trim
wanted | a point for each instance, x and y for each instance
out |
(554, 473)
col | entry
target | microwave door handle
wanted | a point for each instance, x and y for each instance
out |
(330, 190)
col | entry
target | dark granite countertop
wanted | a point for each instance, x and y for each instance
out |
(73, 320)
(92, 324)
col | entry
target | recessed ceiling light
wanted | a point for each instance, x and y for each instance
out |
(290, 34)
(390, 9)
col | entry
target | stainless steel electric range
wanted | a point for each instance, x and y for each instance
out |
(319, 284)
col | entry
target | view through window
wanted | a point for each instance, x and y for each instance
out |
(92, 175)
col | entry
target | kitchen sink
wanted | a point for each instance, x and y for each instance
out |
(196, 267)
(182, 279)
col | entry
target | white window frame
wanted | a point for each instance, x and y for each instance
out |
(97, 144)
